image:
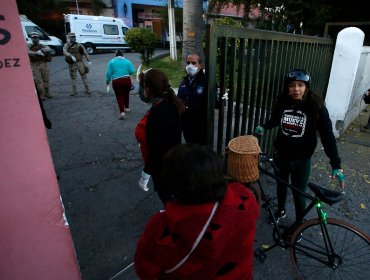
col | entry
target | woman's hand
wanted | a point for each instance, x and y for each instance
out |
(259, 131)
(144, 180)
(338, 173)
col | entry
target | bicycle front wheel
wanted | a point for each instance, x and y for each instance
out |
(312, 257)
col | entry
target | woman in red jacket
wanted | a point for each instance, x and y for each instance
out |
(160, 129)
(207, 230)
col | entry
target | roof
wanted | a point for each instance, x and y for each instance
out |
(231, 10)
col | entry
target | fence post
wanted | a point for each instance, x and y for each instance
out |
(342, 76)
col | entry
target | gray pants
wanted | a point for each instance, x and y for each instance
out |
(40, 73)
(80, 67)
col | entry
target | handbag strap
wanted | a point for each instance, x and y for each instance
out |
(196, 241)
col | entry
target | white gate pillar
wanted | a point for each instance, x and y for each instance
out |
(342, 76)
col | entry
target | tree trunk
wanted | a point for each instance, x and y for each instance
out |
(193, 28)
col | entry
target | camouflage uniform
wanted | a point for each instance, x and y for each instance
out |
(78, 51)
(39, 56)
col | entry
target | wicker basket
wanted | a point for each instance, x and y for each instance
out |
(242, 158)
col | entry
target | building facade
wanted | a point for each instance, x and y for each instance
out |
(146, 13)
(149, 14)
(141, 13)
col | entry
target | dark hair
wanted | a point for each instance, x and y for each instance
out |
(312, 103)
(158, 86)
(119, 53)
(194, 174)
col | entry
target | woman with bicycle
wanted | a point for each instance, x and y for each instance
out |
(300, 114)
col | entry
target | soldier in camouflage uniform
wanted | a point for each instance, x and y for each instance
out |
(39, 56)
(74, 53)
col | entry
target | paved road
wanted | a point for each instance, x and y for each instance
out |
(98, 161)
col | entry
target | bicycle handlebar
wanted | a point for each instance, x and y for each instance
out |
(265, 158)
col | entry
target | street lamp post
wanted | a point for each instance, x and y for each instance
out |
(172, 29)
(78, 11)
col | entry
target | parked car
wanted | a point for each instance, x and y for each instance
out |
(55, 44)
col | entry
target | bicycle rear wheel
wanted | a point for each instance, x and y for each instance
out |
(350, 258)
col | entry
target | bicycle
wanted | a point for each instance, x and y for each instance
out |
(320, 248)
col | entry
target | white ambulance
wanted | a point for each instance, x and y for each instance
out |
(97, 32)
(55, 44)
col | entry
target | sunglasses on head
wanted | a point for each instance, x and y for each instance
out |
(192, 62)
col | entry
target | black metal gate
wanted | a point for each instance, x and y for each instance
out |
(252, 64)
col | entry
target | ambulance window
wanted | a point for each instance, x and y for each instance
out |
(110, 29)
(124, 29)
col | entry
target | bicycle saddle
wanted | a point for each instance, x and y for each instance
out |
(327, 196)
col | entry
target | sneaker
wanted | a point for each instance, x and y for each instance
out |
(88, 93)
(278, 216)
(74, 94)
(127, 110)
(122, 116)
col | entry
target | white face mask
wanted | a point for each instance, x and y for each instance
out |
(191, 69)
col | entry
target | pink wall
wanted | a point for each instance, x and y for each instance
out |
(35, 243)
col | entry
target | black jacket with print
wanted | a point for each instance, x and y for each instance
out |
(298, 124)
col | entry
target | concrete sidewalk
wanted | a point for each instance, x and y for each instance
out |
(354, 150)
(99, 163)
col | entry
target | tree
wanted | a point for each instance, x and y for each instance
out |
(35, 9)
(48, 14)
(193, 28)
(97, 6)
(143, 41)
(312, 13)
(227, 21)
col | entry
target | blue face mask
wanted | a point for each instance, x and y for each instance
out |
(141, 95)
